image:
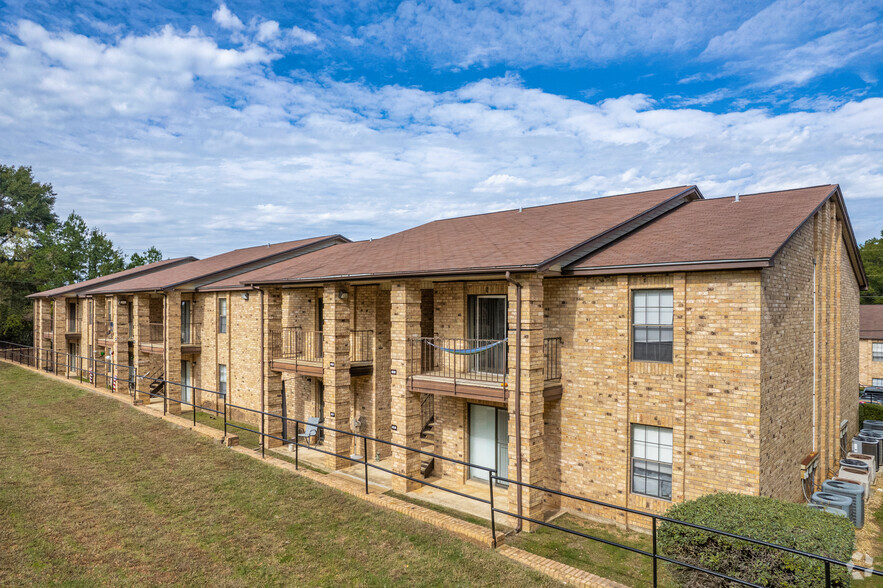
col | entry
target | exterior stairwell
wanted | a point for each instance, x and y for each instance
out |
(157, 386)
(427, 435)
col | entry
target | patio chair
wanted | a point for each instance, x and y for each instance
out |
(311, 430)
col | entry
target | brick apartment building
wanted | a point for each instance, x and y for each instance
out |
(871, 345)
(636, 349)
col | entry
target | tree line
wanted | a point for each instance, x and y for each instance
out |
(39, 252)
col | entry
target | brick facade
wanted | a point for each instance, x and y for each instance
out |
(765, 368)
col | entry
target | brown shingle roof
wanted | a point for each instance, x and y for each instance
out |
(217, 266)
(507, 240)
(871, 321)
(80, 287)
(716, 231)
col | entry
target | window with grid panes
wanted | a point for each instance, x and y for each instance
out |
(652, 332)
(651, 461)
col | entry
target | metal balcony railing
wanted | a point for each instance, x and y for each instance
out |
(152, 333)
(552, 358)
(481, 360)
(362, 346)
(191, 334)
(296, 343)
(308, 346)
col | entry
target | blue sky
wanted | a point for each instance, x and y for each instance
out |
(201, 127)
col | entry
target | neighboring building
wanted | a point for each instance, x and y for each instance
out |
(871, 345)
(669, 345)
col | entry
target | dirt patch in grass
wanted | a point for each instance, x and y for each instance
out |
(93, 492)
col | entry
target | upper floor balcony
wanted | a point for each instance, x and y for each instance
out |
(151, 338)
(191, 337)
(303, 351)
(73, 326)
(474, 368)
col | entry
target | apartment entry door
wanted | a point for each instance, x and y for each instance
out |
(186, 381)
(488, 441)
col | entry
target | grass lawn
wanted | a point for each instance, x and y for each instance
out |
(93, 492)
(607, 561)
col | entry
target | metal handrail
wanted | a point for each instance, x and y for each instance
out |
(27, 355)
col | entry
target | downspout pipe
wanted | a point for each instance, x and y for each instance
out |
(263, 383)
(518, 491)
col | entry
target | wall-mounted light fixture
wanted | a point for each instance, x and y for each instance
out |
(245, 295)
(342, 294)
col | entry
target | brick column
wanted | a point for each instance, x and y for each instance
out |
(336, 363)
(42, 320)
(141, 315)
(172, 335)
(532, 402)
(380, 407)
(59, 343)
(121, 343)
(405, 325)
(272, 320)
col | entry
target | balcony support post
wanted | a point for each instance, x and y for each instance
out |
(141, 315)
(59, 342)
(271, 387)
(172, 349)
(337, 314)
(405, 314)
(120, 342)
(526, 403)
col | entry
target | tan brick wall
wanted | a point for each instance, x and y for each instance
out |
(849, 341)
(786, 432)
(709, 395)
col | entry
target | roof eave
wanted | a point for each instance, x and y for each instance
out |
(394, 275)
(676, 266)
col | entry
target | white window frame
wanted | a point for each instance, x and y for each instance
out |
(877, 351)
(222, 315)
(877, 382)
(652, 318)
(652, 450)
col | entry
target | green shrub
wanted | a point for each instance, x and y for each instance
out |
(869, 412)
(767, 519)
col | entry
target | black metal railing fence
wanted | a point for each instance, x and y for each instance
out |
(39, 358)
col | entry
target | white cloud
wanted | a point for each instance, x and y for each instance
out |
(301, 36)
(267, 31)
(233, 154)
(550, 32)
(791, 42)
(226, 19)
